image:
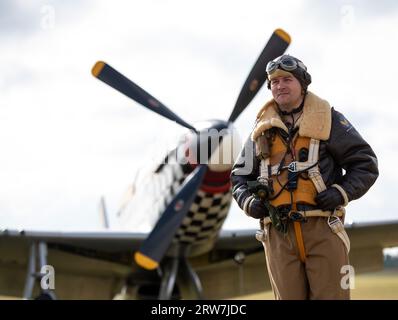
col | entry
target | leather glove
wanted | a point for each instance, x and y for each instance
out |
(329, 199)
(257, 209)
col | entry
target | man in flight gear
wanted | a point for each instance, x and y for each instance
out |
(290, 176)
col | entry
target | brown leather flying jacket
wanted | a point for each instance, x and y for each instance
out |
(344, 149)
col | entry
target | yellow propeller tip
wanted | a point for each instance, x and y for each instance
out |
(96, 70)
(145, 262)
(283, 34)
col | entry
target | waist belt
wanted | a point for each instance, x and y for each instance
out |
(312, 213)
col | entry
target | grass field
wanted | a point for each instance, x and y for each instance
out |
(382, 285)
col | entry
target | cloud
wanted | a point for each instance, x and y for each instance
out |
(18, 18)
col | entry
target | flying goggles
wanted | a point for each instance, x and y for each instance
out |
(286, 63)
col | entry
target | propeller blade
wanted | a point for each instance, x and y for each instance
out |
(155, 246)
(274, 48)
(116, 80)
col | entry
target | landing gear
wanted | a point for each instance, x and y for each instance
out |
(174, 279)
(178, 270)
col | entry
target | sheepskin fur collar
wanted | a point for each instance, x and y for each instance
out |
(316, 120)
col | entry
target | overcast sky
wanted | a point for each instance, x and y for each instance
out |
(66, 138)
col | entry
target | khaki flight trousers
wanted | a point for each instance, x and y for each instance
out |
(320, 276)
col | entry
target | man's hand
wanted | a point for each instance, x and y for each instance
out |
(329, 199)
(257, 209)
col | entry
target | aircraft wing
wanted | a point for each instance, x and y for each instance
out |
(368, 239)
(87, 264)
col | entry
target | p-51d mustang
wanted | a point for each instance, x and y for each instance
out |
(184, 201)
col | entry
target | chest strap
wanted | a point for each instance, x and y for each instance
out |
(311, 164)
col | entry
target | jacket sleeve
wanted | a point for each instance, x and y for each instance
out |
(354, 155)
(246, 168)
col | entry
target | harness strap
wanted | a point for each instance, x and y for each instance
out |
(337, 227)
(343, 193)
(314, 173)
(264, 168)
(299, 239)
(299, 236)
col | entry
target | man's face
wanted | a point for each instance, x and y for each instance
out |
(286, 91)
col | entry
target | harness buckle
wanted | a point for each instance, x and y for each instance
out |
(297, 216)
(261, 235)
(335, 224)
(292, 167)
